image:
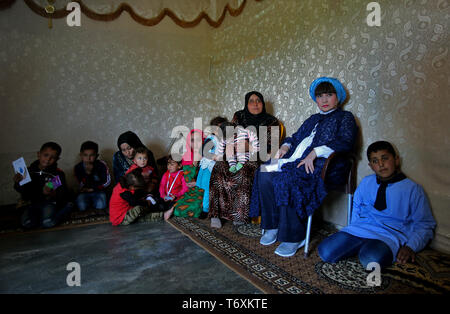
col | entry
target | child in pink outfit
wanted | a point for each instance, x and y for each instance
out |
(172, 185)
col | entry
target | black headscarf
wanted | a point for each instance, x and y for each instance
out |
(133, 140)
(245, 118)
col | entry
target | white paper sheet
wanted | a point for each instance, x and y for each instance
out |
(20, 167)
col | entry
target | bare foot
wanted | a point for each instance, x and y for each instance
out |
(168, 214)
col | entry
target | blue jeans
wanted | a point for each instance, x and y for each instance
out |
(96, 200)
(44, 214)
(342, 245)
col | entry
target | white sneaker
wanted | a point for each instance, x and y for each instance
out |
(287, 249)
(215, 223)
(269, 237)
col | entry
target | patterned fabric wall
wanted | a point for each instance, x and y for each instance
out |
(101, 79)
(94, 82)
(396, 75)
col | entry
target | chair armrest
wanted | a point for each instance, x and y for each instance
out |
(350, 184)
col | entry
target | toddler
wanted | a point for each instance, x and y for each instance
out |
(238, 144)
(128, 201)
(173, 184)
(140, 160)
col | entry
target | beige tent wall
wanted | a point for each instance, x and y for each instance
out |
(101, 79)
(396, 75)
(93, 82)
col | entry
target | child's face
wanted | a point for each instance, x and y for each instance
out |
(88, 156)
(327, 101)
(383, 163)
(173, 166)
(47, 157)
(140, 160)
(127, 150)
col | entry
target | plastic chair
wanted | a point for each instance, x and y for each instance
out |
(348, 188)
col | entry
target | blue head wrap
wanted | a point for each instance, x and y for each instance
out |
(340, 91)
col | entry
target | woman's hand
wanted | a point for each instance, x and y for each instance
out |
(308, 162)
(405, 253)
(281, 152)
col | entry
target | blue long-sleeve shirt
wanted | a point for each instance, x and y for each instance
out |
(407, 219)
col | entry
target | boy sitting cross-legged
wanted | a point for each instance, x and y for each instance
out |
(47, 191)
(391, 219)
(93, 176)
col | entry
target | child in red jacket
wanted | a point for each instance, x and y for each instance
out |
(150, 177)
(128, 201)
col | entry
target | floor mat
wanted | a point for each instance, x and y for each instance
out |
(238, 247)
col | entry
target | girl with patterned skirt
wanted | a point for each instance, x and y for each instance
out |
(229, 195)
(191, 203)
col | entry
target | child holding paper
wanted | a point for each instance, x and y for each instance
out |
(47, 191)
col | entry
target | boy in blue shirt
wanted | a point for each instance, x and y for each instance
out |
(391, 218)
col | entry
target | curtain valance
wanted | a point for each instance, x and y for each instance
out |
(185, 13)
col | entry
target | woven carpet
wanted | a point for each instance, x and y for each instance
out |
(238, 247)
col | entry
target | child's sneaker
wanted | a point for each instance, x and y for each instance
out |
(216, 223)
(239, 166)
(233, 169)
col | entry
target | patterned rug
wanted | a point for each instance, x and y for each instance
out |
(238, 247)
